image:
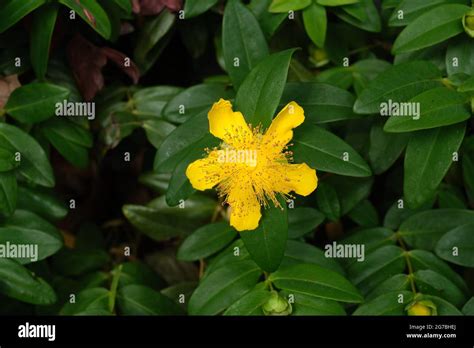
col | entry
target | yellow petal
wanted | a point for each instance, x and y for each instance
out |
(280, 131)
(228, 125)
(299, 178)
(205, 173)
(245, 208)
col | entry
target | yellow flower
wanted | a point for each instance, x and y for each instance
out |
(250, 168)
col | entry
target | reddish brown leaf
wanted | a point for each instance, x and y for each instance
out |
(154, 7)
(7, 85)
(87, 61)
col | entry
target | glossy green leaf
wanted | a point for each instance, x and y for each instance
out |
(251, 303)
(26, 228)
(377, 267)
(11, 11)
(41, 33)
(313, 280)
(34, 165)
(223, 287)
(437, 107)
(432, 27)
(88, 302)
(243, 41)
(35, 102)
(141, 300)
(315, 23)
(364, 214)
(457, 246)
(259, 95)
(428, 157)
(150, 102)
(328, 202)
(288, 5)
(194, 100)
(267, 243)
(157, 131)
(325, 151)
(425, 228)
(432, 283)
(336, 2)
(303, 220)
(310, 305)
(321, 102)
(193, 8)
(19, 283)
(386, 304)
(8, 192)
(206, 241)
(385, 148)
(93, 14)
(41, 202)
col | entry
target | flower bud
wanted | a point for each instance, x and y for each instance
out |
(277, 305)
(468, 23)
(318, 56)
(421, 308)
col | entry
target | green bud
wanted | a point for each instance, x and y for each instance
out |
(318, 56)
(468, 23)
(421, 308)
(277, 305)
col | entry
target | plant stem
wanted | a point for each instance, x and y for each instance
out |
(113, 288)
(408, 260)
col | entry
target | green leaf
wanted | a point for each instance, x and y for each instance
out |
(139, 273)
(315, 23)
(41, 33)
(161, 222)
(364, 214)
(19, 283)
(223, 287)
(7, 161)
(336, 2)
(74, 262)
(125, 5)
(467, 86)
(432, 283)
(35, 102)
(269, 22)
(26, 228)
(194, 100)
(328, 202)
(193, 8)
(351, 191)
(267, 243)
(8, 192)
(321, 102)
(93, 14)
(288, 5)
(363, 14)
(88, 302)
(468, 308)
(206, 241)
(428, 157)
(385, 148)
(437, 107)
(157, 131)
(310, 305)
(243, 41)
(150, 102)
(303, 220)
(299, 252)
(70, 139)
(41, 202)
(11, 11)
(386, 304)
(152, 39)
(412, 9)
(316, 281)
(424, 229)
(259, 95)
(457, 246)
(177, 143)
(459, 57)
(141, 300)
(443, 307)
(34, 165)
(377, 267)
(432, 27)
(179, 187)
(251, 302)
(399, 83)
(398, 282)
(325, 151)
